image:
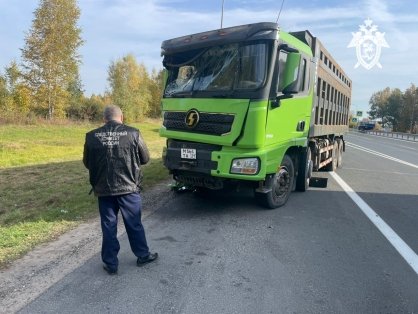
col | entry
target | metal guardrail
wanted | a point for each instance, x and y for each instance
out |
(398, 135)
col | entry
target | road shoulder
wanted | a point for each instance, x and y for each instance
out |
(31, 275)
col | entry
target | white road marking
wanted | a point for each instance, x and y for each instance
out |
(381, 155)
(406, 147)
(403, 249)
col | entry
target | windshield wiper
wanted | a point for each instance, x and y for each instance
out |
(224, 94)
(221, 95)
(179, 94)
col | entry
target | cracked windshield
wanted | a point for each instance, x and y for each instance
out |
(221, 68)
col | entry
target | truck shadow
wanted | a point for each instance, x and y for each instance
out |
(397, 210)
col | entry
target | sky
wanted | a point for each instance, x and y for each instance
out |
(112, 29)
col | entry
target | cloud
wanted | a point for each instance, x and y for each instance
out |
(378, 10)
(115, 28)
(380, 13)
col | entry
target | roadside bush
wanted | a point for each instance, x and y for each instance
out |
(88, 109)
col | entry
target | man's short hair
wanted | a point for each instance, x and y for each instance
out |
(112, 112)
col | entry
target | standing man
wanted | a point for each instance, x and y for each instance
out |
(113, 154)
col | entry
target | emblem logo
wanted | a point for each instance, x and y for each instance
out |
(192, 118)
(368, 42)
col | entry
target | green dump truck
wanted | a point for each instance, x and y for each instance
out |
(253, 104)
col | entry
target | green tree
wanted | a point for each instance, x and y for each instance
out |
(156, 90)
(22, 100)
(379, 105)
(14, 95)
(18, 91)
(129, 82)
(76, 99)
(4, 96)
(93, 107)
(394, 108)
(410, 109)
(13, 75)
(50, 56)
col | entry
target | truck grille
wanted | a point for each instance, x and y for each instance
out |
(209, 123)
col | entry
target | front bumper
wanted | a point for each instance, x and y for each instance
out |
(211, 161)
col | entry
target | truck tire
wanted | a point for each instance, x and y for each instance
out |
(304, 170)
(280, 185)
(340, 153)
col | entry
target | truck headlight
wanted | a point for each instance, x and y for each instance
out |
(245, 165)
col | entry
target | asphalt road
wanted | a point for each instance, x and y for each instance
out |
(318, 254)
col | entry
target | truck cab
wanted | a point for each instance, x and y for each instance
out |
(237, 106)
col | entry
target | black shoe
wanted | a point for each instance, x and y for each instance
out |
(147, 259)
(109, 270)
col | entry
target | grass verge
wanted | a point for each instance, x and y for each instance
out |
(44, 185)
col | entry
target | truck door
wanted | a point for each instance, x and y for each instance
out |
(289, 109)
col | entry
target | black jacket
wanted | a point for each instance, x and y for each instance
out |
(114, 154)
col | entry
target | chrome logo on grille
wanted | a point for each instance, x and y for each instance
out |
(192, 118)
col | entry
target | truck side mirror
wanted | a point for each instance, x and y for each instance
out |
(291, 82)
(276, 102)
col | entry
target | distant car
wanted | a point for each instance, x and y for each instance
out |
(366, 126)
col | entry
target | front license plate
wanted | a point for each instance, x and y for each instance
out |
(188, 153)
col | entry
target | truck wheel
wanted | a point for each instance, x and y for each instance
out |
(332, 166)
(304, 171)
(281, 185)
(340, 154)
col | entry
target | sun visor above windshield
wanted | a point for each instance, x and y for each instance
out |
(258, 31)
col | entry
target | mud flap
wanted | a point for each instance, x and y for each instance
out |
(317, 182)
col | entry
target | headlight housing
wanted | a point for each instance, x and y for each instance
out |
(249, 166)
